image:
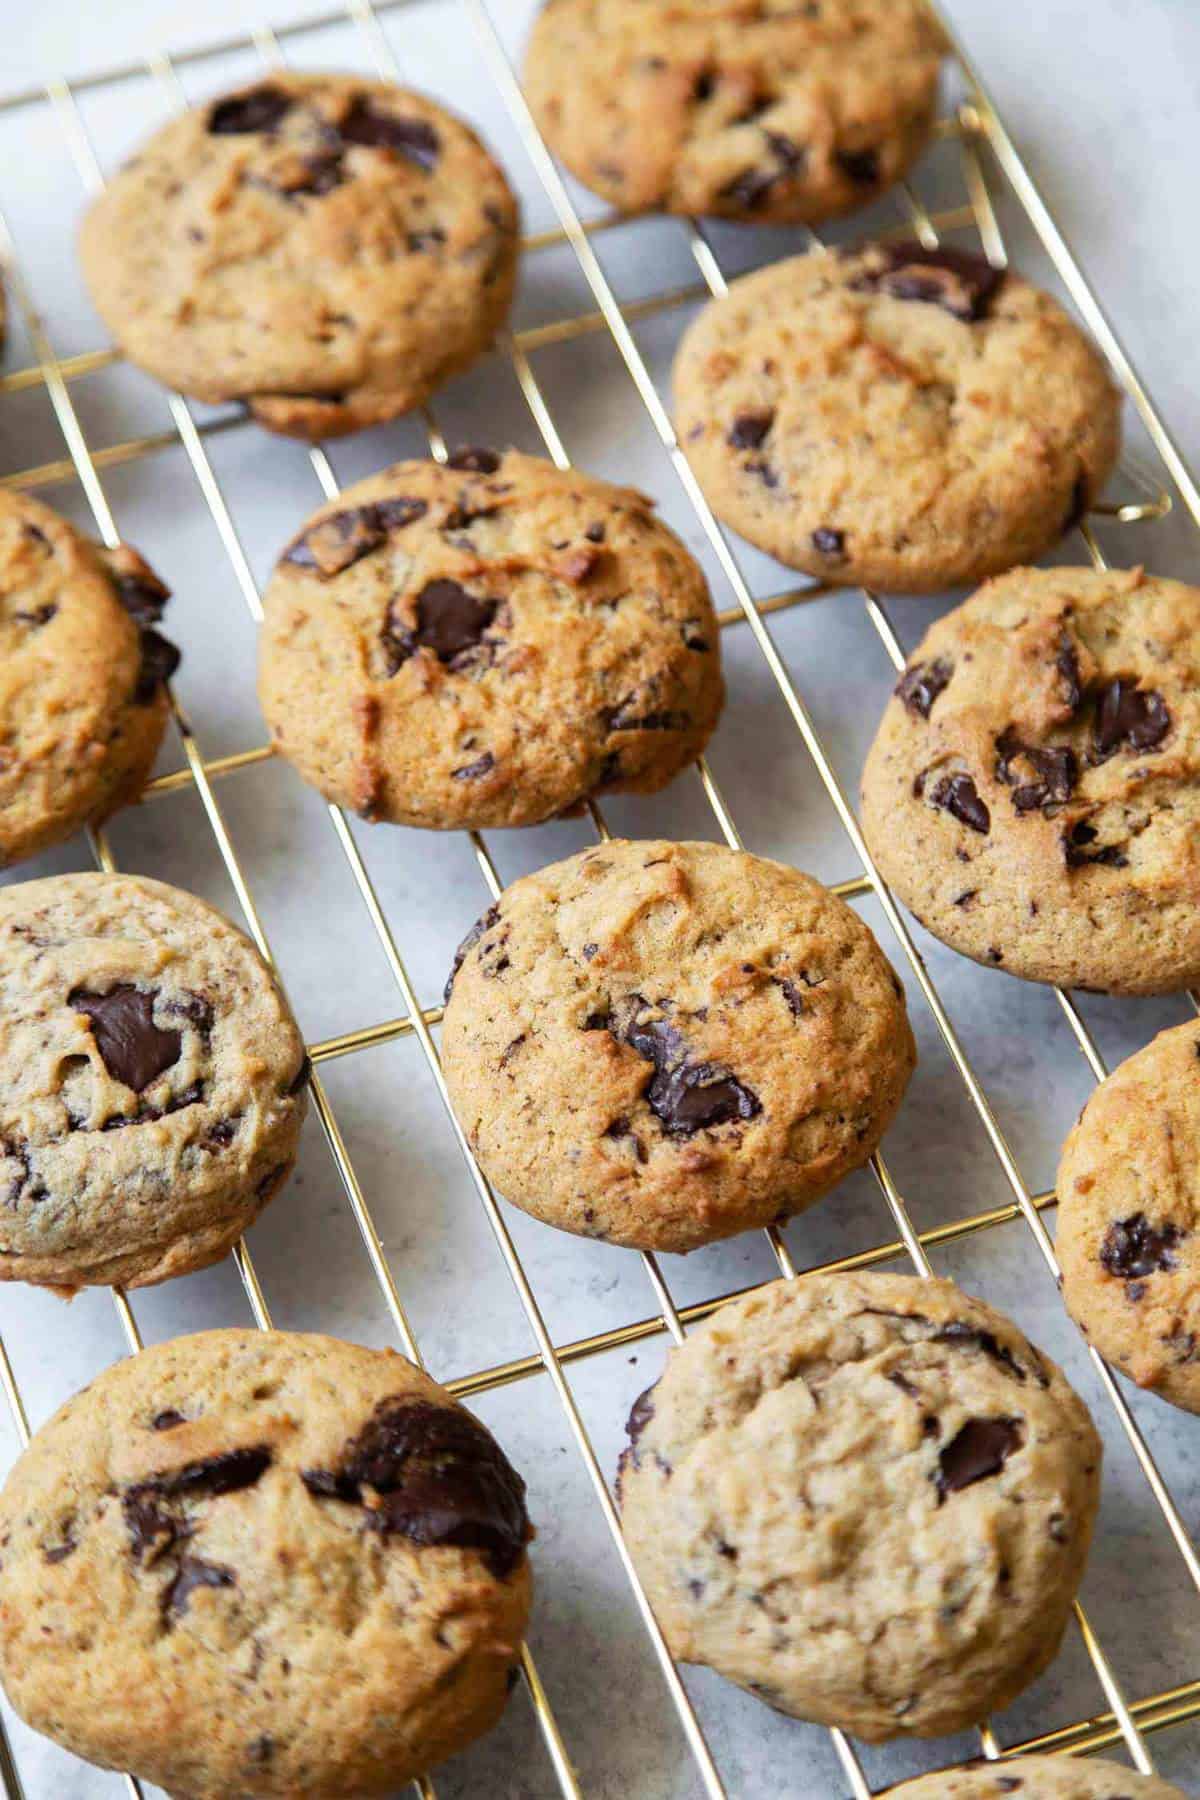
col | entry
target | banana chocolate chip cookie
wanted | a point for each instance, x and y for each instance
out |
(151, 1082)
(663, 1044)
(746, 109)
(865, 1498)
(263, 1563)
(1129, 1218)
(1038, 1778)
(902, 418)
(487, 643)
(83, 705)
(1032, 793)
(325, 248)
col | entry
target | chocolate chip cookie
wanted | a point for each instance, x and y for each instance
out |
(151, 1082)
(896, 417)
(865, 1498)
(1038, 1778)
(663, 1044)
(758, 111)
(328, 250)
(1032, 792)
(1128, 1217)
(83, 707)
(487, 643)
(253, 1563)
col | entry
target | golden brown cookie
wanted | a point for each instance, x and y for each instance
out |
(487, 643)
(327, 249)
(898, 417)
(663, 1044)
(746, 109)
(1033, 793)
(1037, 1778)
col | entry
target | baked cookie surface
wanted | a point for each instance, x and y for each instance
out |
(896, 417)
(866, 1498)
(151, 1082)
(83, 707)
(760, 111)
(1129, 1217)
(662, 1044)
(263, 1563)
(325, 248)
(1032, 791)
(1038, 1778)
(487, 643)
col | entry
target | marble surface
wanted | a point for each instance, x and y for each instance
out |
(1101, 97)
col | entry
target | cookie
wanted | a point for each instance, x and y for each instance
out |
(327, 249)
(263, 1563)
(664, 1044)
(1038, 1778)
(895, 417)
(865, 1498)
(487, 643)
(83, 705)
(1128, 1219)
(1032, 792)
(151, 1082)
(765, 111)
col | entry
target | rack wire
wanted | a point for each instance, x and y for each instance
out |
(978, 133)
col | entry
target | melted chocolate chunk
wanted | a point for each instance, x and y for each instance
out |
(980, 1450)
(959, 1332)
(450, 621)
(167, 1420)
(160, 659)
(142, 596)
(749, 430)
(475, 462)
(1132, 1247)
(193, 1573)
(132, 1047)
(827, 541)
(59, 1552)
(411, 138)
(340, 540)
(957, 794)
(261, 109)
(1129, 718)
(1056, 770)
(226, 1472)
(440, 1477)
(318, 174)
(153, 1508)
(472, 771)
(640, 1413)
(920, 686)
(685, 1096)
(491, 917)
(791, 993)
(1077, 855)
(625, 717)
(41, 615)
(1067, 664)
(860, 165)
(960, 283)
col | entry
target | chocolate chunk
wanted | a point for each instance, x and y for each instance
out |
(791, 156)
(261, 109)
(472, 771)
(143, 596)
(959, 1332)
(1132, 1247)
(957, 794)
(450, 621)
(476, 462)
(193, 1573)
(226, 1472)
(920, 686)
(685, 1096)
(41, 615)
(491, 917)
(411, 138)
(1067, 664)
(595, 533)
(749, 430)
(749, 188)
(625, 717)
(167, 1420)
(59, 1552)
(440, 1479)
(320, 174)
(1077, 856)
(640, 1413)
(338, 541)
(1056, 768)
(132, 1047)
(979, 1450)
(961, 283)
(766, 474)
(160, 659)
(301, 1078)
(152, 1526)
(1129, 718)
(860, 165)
(826, 541)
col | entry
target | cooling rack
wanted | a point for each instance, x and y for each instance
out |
(986, 165)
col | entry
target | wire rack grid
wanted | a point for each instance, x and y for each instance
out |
(977, 132)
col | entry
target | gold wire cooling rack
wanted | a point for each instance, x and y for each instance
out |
(984, 151)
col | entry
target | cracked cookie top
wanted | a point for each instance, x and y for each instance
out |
(892, 416)
(745, 109)
(151, 1082)
(487, 642)
(662, 1044)
(263, 1562)
(866, 1498)
(1031, 793)
(325, 248)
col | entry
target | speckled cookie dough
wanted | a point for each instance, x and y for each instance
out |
(261, 1563)
(664, 1044)
(327, 249)
(902, 418)
(151, 1082)
(1033, 793)
(83, 707)
(746, 109)
(865, 1498)
(487, 643)
(1038, 1778)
